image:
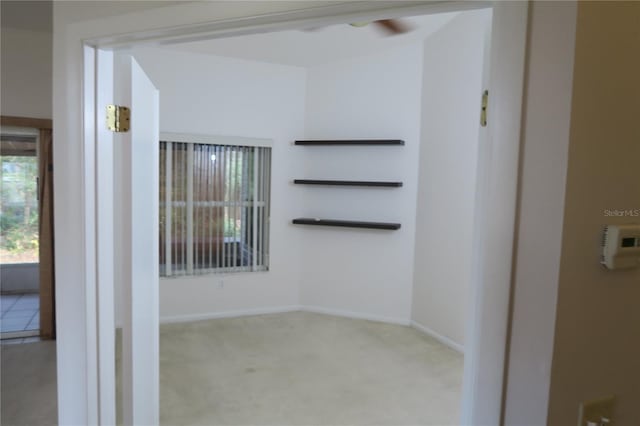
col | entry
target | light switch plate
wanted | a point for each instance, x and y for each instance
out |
(596, 410)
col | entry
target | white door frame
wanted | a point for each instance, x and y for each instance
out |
(84, 293)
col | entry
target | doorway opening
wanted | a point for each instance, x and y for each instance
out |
(496, 215)
(26, 253)
(19, 235)
(340, 84)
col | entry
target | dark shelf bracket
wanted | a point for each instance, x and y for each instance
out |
(347, 183)
(346, 223)
(346, 142)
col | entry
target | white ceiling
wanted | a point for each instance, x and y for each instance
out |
(322, 45)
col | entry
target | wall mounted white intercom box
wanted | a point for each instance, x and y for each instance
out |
(621, 246)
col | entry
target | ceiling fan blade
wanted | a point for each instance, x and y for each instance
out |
(392, 26)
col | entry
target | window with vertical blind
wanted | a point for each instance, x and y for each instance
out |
(214, 205)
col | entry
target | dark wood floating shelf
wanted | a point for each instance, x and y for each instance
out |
(346, 223)
(346, 142)
(347, 183)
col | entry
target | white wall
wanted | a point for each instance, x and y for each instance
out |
(362, 272)
(452, 84)
(209, 95)
(26, 81)
(370, 272)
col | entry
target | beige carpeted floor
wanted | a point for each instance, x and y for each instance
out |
(305, 369)
(283, 369)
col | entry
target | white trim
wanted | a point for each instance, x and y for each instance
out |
(215, 139)
(105, 261)
(90, 233)
(283, 309)
(439, 337)
(355, 315)
(307, 16)
(228, 314)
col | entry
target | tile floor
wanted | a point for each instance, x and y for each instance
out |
(20, 312)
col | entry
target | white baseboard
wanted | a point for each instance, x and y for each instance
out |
(228, 314)
(356, 315)
(282, 309)
(439, 337)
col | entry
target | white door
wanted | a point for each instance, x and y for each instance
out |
(136, 209)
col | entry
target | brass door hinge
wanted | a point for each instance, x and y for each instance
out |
(118, 118)
(483, 110)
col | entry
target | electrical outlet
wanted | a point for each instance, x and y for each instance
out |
(597, 412)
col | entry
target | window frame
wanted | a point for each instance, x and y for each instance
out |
(223, 140)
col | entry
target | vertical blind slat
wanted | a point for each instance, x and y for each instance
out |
(202, 190)
(268, 206)
(189, 209)
(243, 211)
(258, 199)
(183, 210)
(175, 217)
(179, 195)
(194, 213)
(210, 169)
(234, 220)
(198, 212)
(261, 222)
(217, 209)
(225, 249)
(168, 207)
(255, 215)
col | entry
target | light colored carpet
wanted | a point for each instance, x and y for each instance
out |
(28, 384)
(305, 369)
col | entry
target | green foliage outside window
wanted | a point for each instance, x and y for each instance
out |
(18, 209)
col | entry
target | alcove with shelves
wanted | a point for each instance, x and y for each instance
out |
(345, 183)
